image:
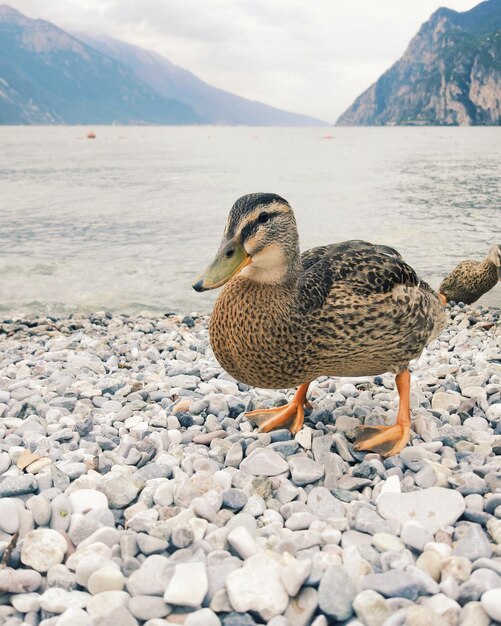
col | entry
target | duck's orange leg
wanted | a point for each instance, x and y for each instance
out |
(442, 298)
(389, 440)
(291, 414)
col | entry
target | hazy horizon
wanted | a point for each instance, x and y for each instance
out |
(313, 60)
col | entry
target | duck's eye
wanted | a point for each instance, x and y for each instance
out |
(230, 253)
(263, 217)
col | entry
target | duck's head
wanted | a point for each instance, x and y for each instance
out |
(260, 242)
(495, 257)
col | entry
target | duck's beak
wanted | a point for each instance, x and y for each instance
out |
(230, 259)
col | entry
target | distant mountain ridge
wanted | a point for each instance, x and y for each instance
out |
(450, 74)
(49, 76)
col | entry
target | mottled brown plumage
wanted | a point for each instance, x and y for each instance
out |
(471, 279)
(347, 309)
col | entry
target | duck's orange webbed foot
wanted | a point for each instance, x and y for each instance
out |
(389, 440)
(290, 415)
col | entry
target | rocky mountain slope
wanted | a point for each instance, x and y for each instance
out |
(48, 76)
(449, 75)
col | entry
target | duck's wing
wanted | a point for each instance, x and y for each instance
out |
(363, 269)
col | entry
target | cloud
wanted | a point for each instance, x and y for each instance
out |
(309, 57)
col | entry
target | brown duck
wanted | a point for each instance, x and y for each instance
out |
(471, 279)
(283, 319)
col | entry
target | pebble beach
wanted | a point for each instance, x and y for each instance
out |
(134, 491)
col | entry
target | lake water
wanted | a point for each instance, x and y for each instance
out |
(125, 222)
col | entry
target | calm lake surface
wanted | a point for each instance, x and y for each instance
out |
(126, 221)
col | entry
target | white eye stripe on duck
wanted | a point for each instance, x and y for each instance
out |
(253, 222)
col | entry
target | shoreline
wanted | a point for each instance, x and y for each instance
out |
(127, 468)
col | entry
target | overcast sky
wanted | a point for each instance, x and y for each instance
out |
(308, 56)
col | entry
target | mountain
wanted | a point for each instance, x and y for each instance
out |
(210, 103)
(449, 75)
(49, 76)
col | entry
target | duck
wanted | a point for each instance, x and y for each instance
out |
(283, 319)
(469, 280)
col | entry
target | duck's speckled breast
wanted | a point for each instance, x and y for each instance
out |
(256, 336)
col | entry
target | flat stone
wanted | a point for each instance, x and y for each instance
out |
(202, 617)
(392, 584)
(192, 595)
(57, 600)
(305, 470)
(26, 602)
(257, 587)
(263, 461)
(19, 580)
(17, 485)
(324, 505)
(336, 593)
(432, 508)
(43, 548)
(148, 607)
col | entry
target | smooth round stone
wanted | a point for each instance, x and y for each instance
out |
(203, 617)
(474, 615)
(384, 541)
(26, 602)
(415, 536)
(491, 603)
(89, 564)
(423, 616)
(40, 509)
(85, 500)
(19, 580)
(371, 608)
(43, 548)
(103, 603)
(105, 579)
(9, 516)
(148, 607)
